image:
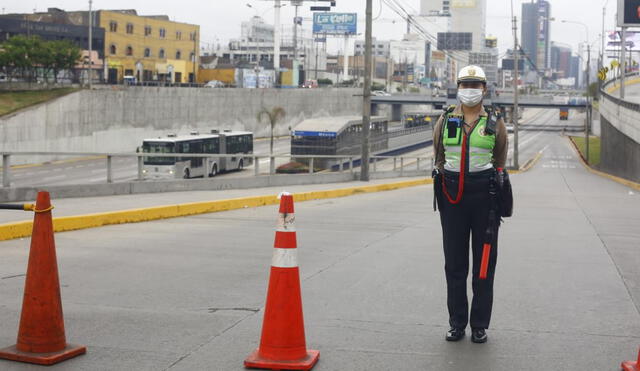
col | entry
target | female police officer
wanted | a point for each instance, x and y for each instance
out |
(470, 147)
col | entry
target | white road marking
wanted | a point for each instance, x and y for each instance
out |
(56, 177)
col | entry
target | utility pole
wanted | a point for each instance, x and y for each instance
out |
(623, 61)
(295, 34)
(90, 43)
(276, 37)
(345, 61)
(366, 108)
(587, 124)
(514, 113)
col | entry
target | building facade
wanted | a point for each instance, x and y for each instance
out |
(470, 16)
(149, 48)
(12, 25)
(380, 48)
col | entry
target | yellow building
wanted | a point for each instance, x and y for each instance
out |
(149, 48)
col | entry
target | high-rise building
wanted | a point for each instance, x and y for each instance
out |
(380, 48)
(561, 60)
(535, 32)
(470, 16)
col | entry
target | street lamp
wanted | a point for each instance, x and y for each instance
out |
(588, 72)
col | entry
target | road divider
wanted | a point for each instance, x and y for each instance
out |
(15, 230)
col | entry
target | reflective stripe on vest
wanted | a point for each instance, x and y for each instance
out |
(480, 148)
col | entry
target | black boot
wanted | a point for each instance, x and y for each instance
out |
(479, 335)
(455, 334)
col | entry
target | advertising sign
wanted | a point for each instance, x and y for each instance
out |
(614, 41)
(628, 13)
(335, 23)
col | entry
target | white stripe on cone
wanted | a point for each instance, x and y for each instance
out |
(286, 223)
(284, 258)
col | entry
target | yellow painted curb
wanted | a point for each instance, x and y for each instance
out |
(627, 82)
(531, 163)
(622, 181)
(15, 230)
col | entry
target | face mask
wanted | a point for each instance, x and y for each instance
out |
(470, 97)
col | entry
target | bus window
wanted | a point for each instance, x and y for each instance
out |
(158, 147)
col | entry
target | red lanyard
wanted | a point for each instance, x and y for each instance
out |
(463, 161)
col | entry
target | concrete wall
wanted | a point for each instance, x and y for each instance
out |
(620, 138)
(619, 154)
(117, 120)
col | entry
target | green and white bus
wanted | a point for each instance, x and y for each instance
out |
(226, 142)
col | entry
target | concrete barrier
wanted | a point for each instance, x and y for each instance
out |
(620, 137)
(210, 184)
(118, 119)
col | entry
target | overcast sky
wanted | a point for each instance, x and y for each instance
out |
(220, 19)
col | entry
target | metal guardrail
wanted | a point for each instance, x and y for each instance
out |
(343, 161)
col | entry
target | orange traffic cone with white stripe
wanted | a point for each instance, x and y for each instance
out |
(631, 365)
(283, 345)
(41, 337)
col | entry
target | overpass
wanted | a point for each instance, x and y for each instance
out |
(397, 101)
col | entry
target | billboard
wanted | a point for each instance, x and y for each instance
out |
(455, 40)
(614, 41)
(628, 13)
(335, 23)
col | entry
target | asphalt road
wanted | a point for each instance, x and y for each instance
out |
(187, 293)
(95, 171)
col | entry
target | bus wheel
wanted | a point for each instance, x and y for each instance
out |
(186, 174)
(240, 165)
(214, 170)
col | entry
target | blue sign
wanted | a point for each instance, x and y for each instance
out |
(315, 134)
(335, 23)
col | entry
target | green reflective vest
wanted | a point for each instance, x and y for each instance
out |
(480, 144)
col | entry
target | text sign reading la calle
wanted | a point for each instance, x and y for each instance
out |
(335, 23)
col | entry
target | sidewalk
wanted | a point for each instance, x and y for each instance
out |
(187, 293)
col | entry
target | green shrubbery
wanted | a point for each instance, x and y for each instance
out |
(30, 58)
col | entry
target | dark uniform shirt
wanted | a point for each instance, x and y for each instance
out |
(499, 151)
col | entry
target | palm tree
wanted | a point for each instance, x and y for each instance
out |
(274, 115)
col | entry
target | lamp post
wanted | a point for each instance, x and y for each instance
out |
(588, 72)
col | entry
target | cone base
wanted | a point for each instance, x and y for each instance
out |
(13, 354)
(307, 363)
(631, 366)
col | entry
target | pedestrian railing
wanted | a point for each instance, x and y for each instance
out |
(399, 165)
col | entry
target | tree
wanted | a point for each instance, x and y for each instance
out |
(273, 116)
(65, 55)
(24, 56)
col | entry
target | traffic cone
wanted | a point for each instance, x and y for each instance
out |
(41, 337)
(631, 365)
(282, 345)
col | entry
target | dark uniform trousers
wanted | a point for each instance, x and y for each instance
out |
(468, 218)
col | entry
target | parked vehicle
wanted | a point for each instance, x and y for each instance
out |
(214, 84)
(310, 84)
